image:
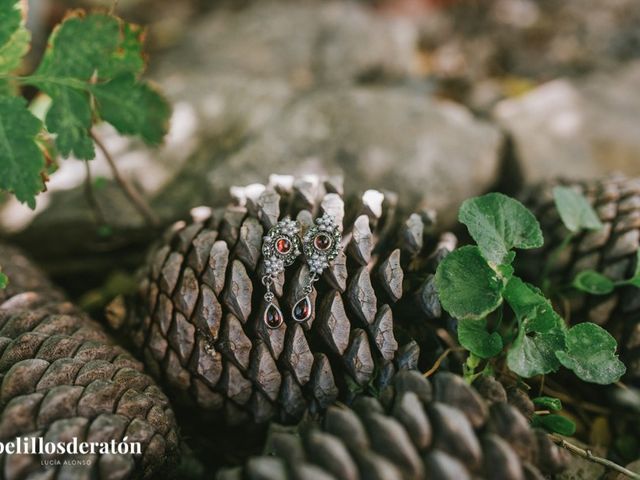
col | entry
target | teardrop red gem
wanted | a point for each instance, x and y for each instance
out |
(302, 310)
(273, 316)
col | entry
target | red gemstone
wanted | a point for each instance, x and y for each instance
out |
(322, 241)
(273, 316)
(283, 245)
(302, 310)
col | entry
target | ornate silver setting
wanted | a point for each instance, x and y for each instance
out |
(321, 244)
(280, 247)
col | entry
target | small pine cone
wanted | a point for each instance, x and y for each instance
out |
(611, 251)
(64, 379)
(198, 317)
(415, 430)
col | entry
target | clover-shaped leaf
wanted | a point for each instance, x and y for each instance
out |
(590, 281)
(498, 224)
(541, 331)
(467, 286)
(591, 354)
(575, 210)
(550, 403)
(473, 335)
(555, 424)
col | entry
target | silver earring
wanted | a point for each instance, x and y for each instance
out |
(280, 247)
(321, 244)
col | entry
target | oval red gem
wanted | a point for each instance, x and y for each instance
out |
(283, 245)
(322, 241)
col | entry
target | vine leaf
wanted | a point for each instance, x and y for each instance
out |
(590, 281)
(468, 287)
(14, 40)
(142, 111)
(541, 331)
(575, 210)
(98, 55)
(21, 161)
(91, 71)
(590, 353)
(473, 335)
(498, 224)
(77, 47)
(4, 281)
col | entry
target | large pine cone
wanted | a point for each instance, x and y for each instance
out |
(198, 316)
(63, 378)
(414, 431)
(611, 251)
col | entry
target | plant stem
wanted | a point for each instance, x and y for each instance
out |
(134, 197)
(552, 258)
(437, 363)
(586, 454)
(91, 198)
(37, 79)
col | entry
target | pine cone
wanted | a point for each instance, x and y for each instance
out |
(198, 315)
(413, 431)
(611, 251)
(63, 378)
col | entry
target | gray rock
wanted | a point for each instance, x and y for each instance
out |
(433, 152)
(305, 43)
(577, 128)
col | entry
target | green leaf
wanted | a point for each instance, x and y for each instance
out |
(21, 161)
(530, 305)
(70, 118)
(555, 424)
(590, 353)
(128, 57)
(14, 40)
(575, 210)
(133, 108)
(499, 223)
(77, 48)
(550, 403)
(541, 331)
(4, 281)
(590, 281)
(473, 335)
(98, 57)
(467, 286)
(10, 19)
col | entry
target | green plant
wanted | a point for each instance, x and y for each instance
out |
(552, 422)
(502, 317)
(4, 281)
(90, 72)
(577, 215)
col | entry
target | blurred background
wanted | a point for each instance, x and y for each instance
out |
(437, 99)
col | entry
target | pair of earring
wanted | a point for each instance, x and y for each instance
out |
(280, 248)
